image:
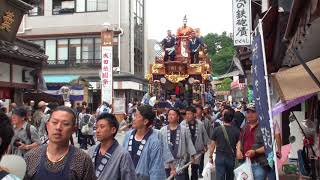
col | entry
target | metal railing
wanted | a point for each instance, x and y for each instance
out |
(74, 63)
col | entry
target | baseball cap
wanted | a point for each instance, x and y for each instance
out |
(42, 103)
(251, 106)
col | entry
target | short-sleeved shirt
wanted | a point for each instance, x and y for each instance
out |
(248, 136)
(222, 145)
(21, 134)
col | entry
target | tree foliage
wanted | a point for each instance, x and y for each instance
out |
(225, 85)
(221, 51)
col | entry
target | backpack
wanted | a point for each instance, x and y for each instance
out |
(86, 119)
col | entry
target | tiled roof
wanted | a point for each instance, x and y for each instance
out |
(22, 50)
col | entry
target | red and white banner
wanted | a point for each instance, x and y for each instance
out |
(106, 74)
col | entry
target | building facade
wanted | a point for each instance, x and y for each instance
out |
(21, 62)
(70, 32)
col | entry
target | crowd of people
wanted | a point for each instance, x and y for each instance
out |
(151, 150)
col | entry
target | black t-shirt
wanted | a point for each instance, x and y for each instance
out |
(173, 135)
(238, 119)
(135, 148)
(192, 128)
(222, 145)
(98, 159)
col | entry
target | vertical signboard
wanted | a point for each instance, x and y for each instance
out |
(106, 67)
(241, 22)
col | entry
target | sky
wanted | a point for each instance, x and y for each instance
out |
(211, 16)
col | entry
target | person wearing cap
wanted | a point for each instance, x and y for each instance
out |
(110, 160)
(6, 134)
(145, 146)
(58, 159)
(251, 145)
(38, 115)
(25, 135)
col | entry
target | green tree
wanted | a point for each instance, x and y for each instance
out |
(221, 51)
(225, 85)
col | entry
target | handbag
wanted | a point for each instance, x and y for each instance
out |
(225, 134)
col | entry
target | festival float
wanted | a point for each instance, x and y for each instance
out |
(180, 76)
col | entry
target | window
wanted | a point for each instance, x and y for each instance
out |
(115, 56)
(38, 9)
(51, 49)
(81, 6)
(97, 50)
(97, 5)
(75, 50)
(62, 51)
(87, 49)
(91, 5)
(62, 7)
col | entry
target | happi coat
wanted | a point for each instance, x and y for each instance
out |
(151, 163)
(202, 139)
(119, 166)
(185, 147)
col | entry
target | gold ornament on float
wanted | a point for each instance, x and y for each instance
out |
(148, 76)
(175, 78)
(198, 67)
(156, 67)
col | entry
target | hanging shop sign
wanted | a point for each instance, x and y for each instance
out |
(241, 22)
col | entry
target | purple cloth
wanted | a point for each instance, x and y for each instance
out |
(283, 106)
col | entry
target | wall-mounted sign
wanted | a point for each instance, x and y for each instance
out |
(11, 13)
(7, 20)
(241, 22)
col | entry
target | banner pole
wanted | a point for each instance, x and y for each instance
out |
(269, 99)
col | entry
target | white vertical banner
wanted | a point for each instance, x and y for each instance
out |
(241, 22)
(106, 74)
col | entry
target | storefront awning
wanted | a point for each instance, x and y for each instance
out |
(296, 82)
(59, 78)
(283, 106)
